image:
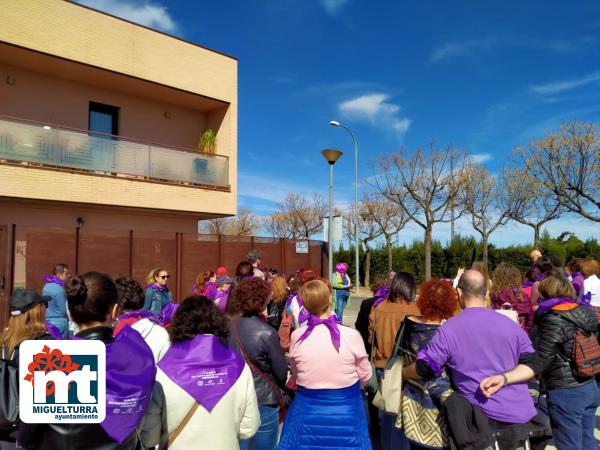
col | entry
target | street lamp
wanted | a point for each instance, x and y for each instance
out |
(331, 155)
(335, 123)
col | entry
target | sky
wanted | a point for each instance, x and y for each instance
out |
(482, 76)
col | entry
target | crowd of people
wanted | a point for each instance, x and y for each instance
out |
(260, 360)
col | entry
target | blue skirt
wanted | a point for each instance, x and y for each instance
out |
(326, 418)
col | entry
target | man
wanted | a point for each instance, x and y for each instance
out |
(534, 255)
(57, 308)
(254, 257)
(480, 343)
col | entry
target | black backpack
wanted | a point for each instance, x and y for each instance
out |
(9, 397)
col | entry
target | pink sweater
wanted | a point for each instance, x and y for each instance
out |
(317, 365)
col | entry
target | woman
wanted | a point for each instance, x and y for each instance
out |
(294, 303)
(157, 292)
(217, 413)
(277, 304)
(258, 343)
(131, 301)
(27, 321)
(245, 269)
(420, 421)
(205, 284)
(92, 301)
(329, 364)
(541, 268)
(507, 291)
(573, 272)
(591, 284)
(221, 297)
(341, 289)
(572, 400)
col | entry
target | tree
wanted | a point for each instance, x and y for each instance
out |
(297, 216)
(388, 217)
(567, 164)
(424, 184)
(486, 201)
(368, 231)
(531, 206)
(245, 223)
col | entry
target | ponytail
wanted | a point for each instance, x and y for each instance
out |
(90, 297)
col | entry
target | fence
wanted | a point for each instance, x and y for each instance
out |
(135, 253)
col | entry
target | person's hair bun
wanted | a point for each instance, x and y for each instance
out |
(76, 291)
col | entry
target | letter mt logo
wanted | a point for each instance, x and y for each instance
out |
(62, 381)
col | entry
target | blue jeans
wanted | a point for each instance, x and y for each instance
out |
(266, 436)
(61, 324)
(573, 415)
(341, 298)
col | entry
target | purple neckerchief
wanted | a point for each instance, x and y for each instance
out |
(54, 279)
(586, 299)
(547, 304)
(167, 312)
(332, 325)
(380, 296)
(303, 314)
(53, 331)
(527, 284)
(141, 313)
(203, 367)
(210, 290)
(577, 281)
(130, 375)
(539, 277)
(221, 300)
(157, 287)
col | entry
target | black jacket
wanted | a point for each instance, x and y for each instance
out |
(74, 436)
(260, 344)
(362, 321)
(553, 339)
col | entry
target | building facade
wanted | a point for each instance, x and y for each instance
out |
(100, 121)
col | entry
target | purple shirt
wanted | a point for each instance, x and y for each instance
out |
(476, 344)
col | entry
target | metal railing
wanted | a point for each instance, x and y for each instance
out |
(50, 145)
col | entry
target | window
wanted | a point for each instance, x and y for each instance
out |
(104, 118)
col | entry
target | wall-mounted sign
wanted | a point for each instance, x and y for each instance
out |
(301, 246)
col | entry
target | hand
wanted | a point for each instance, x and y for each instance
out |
(459, 272)
(490, 385)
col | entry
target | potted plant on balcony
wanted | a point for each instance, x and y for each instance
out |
(208, 141)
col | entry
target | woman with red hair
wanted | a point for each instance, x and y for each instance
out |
(419, 421)
(294, 304)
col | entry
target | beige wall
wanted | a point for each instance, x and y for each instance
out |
(52, 99)
(45, 184)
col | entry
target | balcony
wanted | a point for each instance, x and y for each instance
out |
(41, 145)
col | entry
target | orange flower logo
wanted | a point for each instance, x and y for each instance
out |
(47, 361)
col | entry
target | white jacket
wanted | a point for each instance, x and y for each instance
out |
(592, 284)
(234, 417)
(155, 336)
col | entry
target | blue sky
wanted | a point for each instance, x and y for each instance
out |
(484, 76)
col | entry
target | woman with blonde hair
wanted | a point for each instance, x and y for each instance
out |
(157, 292)
(277, 304)
(329, 364)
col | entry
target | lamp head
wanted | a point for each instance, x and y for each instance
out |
(334, 123)
(331, 155)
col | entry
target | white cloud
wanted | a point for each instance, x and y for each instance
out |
(148, 14)
(556, 87)
(479, 158)
(333, 6)
(450, 49)
(376, 109)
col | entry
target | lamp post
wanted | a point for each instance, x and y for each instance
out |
(335, 123)
(331, 155)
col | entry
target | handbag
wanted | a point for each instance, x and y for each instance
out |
(373, 383)
(389, 395)
(283, 406)
(9, 396)
(285, 331)
(507, 310)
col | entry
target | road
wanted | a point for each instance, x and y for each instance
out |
(351, 312)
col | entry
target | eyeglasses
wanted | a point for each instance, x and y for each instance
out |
(164, 277)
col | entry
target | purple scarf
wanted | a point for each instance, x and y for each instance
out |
(130, 375)
(380, 296)
(53, 331)
(157, 287)
(167, 313)
(141, 313)
(332, 325)
(547, 304)
(539, 277)
(303, 315)
(221, 300)
(527, 284)
(54, 279)
(203, 367)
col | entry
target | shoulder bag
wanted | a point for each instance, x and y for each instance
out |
(389, 395)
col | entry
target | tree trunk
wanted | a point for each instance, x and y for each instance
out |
(428, 232)
(367, 267)
(536, 236)
(484, 244)
(388, 243)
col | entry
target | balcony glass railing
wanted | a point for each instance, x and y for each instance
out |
(108, 155)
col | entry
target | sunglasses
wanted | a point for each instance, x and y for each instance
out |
(164, 277)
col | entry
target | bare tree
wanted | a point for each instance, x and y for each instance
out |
(244, 223)
(567, 164)
(297, 216)
(424, 184)
(531, 206)
(486, 201)
(389, 218)
(368, 231)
